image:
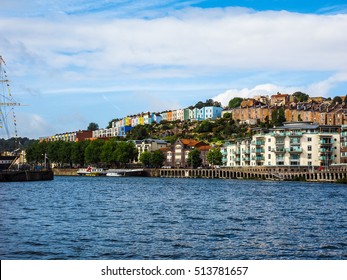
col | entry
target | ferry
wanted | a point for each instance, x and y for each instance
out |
(92, 171)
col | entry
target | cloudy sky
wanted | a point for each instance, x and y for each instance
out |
(79, 61)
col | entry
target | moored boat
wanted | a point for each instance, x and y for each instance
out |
(92, 171)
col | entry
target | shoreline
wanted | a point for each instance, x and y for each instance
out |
(335, 174)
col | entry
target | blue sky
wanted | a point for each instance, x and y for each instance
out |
(75, 62)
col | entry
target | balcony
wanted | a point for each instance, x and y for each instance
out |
(259, 151)
(326, 141)
(279, 150)
(294, 143)
(295, 150)
(294, 134)
(260, 158)
(324, 150)
(326, 158)
(259, 143)
(278, 134)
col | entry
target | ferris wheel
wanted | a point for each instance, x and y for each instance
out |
(8, 120)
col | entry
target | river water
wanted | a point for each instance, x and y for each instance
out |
(166, 218)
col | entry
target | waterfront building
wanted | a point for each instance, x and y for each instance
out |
(293, 144)
(149, 145)
(177, 154)
(344, 144)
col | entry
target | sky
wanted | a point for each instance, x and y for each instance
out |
(73, 62)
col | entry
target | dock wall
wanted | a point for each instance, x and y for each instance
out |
(262, 173)
(19, 176)
(265, 173)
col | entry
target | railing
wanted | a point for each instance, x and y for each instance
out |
(323, 150)
(279, 150)
(259, 158)
(326, 142)
(278, 134)
(297, 150)
(293, 133)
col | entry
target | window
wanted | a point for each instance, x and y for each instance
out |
(309, 139)
(269, 149)
(309, 148)
(269, 156)
(309, 163)
(269, 140)
(309, 156)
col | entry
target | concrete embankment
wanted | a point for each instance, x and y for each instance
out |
(65, 171)
(287, 173)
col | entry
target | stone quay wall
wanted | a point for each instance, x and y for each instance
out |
(287, 173)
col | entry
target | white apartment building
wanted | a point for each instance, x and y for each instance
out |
(293, 144)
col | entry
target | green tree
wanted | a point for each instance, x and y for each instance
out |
(139, 132)
(93, 126)
(194, 159)
(300, 96)
(125, 152)
(77, 152)
(157, 159)
(214, 156)
(93, 151)
(199, 105)
(145, 158)
(227, 116)
(204, 126)
(35, 152)
(108, 152)
(278, 117)
(337, 99)
(235, 102)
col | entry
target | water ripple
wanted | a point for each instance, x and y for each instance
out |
(157, 218)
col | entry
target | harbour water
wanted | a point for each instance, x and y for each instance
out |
(169, 218)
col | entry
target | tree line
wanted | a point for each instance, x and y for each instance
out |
(111, 153)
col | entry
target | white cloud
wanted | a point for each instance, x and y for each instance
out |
(322, 88)
(319, 88)
(264, 89)
(32, 125)
(203, 40)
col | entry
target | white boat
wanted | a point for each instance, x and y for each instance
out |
(91, 171)
(114, 174)
(124, 172)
